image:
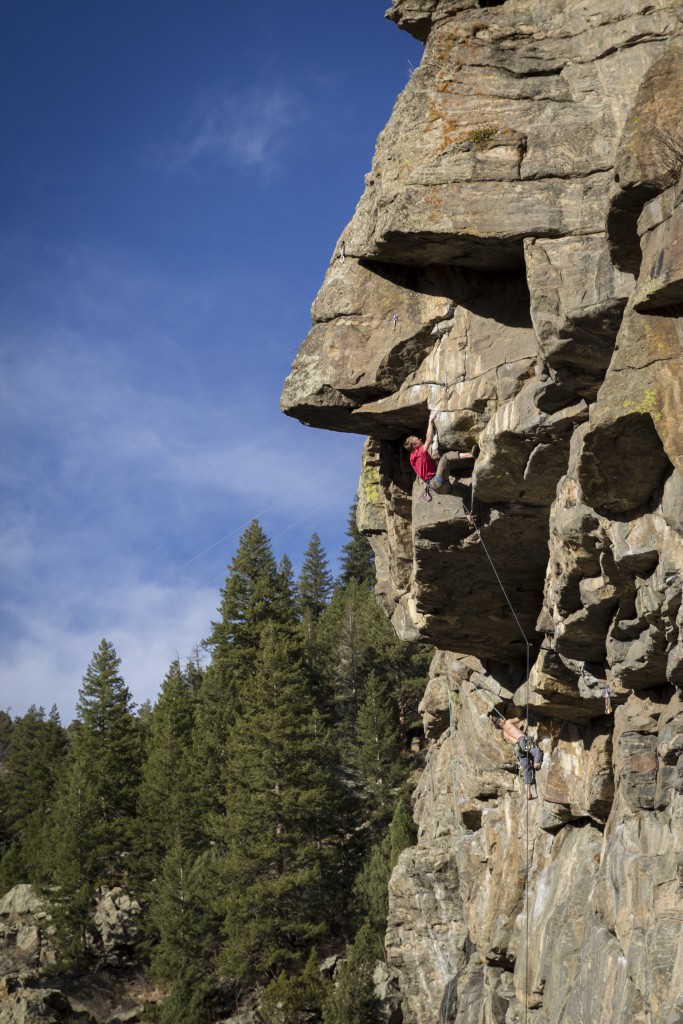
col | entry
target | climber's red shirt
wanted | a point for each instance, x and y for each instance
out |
(423, 463)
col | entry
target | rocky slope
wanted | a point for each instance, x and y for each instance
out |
(516, 262)
(32, 991)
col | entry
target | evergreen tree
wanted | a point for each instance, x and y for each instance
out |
(291, 995)
(357, 558)
(166, 808)
(257, 592)
(402, 830)
(6, 726)
(280, 828)
(217, 702)
(285, 609)
(182, 956)
(35, 749)
(346, 636)
(78, 852)
(252, 596)
(378, 749)
(353, 1000)
(314, 585)
(355, 639)
(373, 880)
(108, 743)
(188, 1001)
(404, 666)
(90, 829)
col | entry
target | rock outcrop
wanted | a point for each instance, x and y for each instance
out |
(516, 263)
(115, 992)
(24, 930)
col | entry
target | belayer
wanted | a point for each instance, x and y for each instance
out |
(529, 754)
(436, 478)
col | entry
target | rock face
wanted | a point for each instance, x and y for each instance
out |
(516, 263)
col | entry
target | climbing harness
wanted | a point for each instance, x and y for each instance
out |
(526, 760)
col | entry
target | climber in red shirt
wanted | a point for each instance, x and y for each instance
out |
(436, 478)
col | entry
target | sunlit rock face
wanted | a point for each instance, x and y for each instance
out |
(516, 263)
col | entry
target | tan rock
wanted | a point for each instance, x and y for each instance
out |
(19, 901)
(660, 283)
(650, 155)
(480, 281)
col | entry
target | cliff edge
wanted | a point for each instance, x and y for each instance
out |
(516, 263)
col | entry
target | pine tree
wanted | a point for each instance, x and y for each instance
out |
(404, 665)
(180, 915)
(315, 583)
(166, 808)
(373, 880)
(346, 636)
(357, 558)
(280, 827)
(6, 727)
(35, 749)
(291, 995)
(354, 1000)
(78, 852)
(108, 742)
(252, 595)
(285, 609)
(257, 592)
(357, 639)
(91, 824)
(377, 753)
(217, 702)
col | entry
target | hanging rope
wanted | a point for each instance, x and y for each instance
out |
(528, 672)
(480, 688)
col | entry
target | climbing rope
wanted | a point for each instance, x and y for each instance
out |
(528, 672)
(480, 688)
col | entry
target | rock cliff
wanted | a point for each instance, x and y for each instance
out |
(516, 263)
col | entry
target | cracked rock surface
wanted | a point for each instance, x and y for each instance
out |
(516, 263)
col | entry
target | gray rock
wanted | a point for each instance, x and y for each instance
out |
(117, 919)
(19, 901)
(22, 1002)
(387, 991)
(522, 222)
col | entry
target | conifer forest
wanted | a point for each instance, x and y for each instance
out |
(254, 812)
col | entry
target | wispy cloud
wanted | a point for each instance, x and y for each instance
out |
(249, 129)
(130, 469)
(148, 624)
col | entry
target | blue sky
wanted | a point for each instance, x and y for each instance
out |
(174, 179)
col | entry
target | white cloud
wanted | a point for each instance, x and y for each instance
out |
(129, 473)
(249, 129)
(149, 626)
